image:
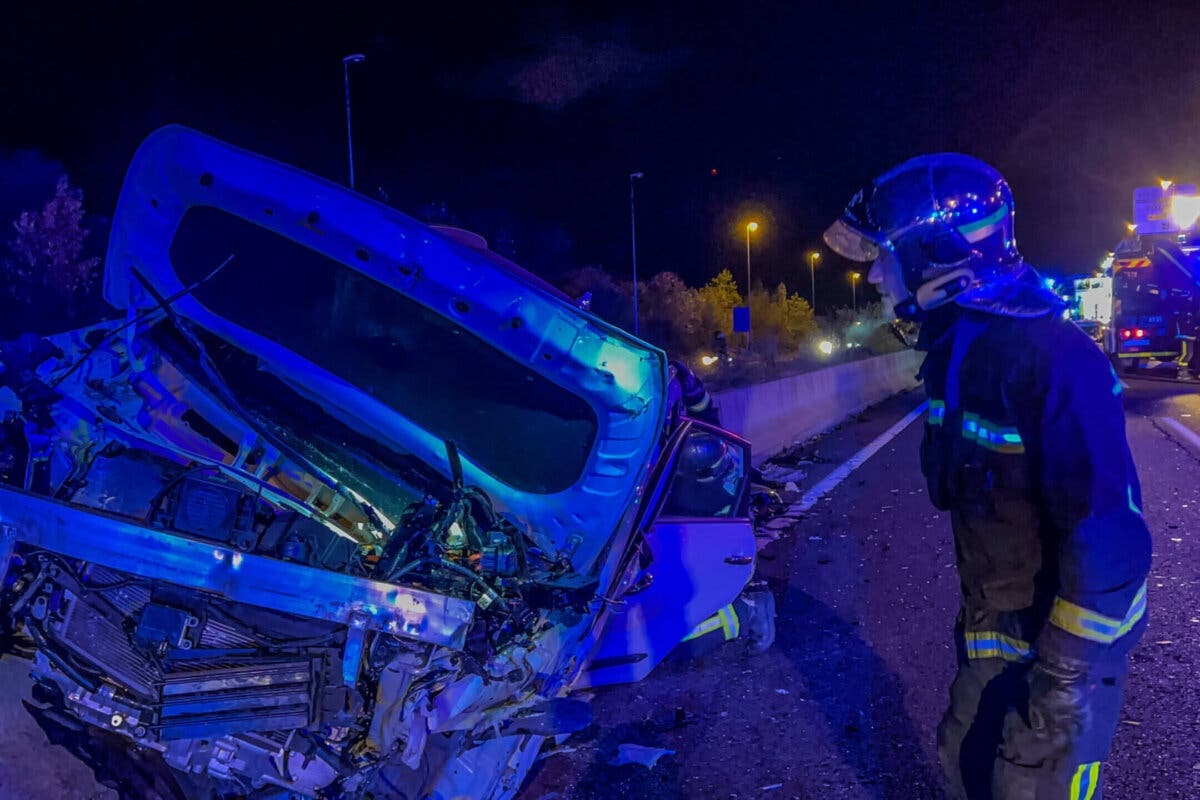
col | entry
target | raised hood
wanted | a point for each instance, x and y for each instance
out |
(406, 335)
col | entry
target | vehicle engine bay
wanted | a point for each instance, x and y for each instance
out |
(240, 697)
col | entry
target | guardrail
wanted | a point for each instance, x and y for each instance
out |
(775, 414)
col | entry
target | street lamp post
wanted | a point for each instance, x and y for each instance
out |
(751, 227)
(356, 58)
(854, 276)
(633, 176)
(812, 276)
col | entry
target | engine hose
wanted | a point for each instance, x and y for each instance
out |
(491, 593)
(43, 646)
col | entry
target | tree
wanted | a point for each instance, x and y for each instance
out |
(799, 321)
(717, 299)
(787, 318)
(672, 314)
(45, 263)
(611, 300)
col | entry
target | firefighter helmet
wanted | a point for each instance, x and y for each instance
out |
(944, 224)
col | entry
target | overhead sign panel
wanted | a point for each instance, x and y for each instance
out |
(1152, 207)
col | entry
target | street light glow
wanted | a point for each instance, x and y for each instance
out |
(815, 256)
(1164, 183)
(1130, 227)
(753, 226)
(855, 275)
(826, 347)
(1185, 210)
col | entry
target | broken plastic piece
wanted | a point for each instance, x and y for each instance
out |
(639, 754)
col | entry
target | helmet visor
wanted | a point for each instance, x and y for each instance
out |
(850, 243)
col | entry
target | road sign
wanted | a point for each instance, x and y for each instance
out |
(741, 319)
(1152, 207)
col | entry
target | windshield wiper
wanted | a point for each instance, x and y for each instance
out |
(161, 303)
(220, 386)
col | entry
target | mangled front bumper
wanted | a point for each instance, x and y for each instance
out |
(360, 603)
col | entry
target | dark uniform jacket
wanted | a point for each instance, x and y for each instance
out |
(1025, 447)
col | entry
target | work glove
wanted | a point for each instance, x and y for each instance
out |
(1042, 737)
(1058, 701)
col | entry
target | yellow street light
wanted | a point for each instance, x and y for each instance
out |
(854, 276)
(1130, 227)
(813, 258)
(1164, 183)
(751, 227)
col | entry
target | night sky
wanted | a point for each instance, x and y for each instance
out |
(526, 121)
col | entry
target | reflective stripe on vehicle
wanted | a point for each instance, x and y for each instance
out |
(1088, 624)
(992, 644)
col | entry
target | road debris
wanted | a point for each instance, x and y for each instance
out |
(639, 754)
(780, 474)
(667, 720)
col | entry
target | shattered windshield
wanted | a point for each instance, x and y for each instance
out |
(513, 423)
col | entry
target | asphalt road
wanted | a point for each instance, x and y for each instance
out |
(845, 703)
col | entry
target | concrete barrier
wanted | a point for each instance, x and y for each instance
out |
(774, 415)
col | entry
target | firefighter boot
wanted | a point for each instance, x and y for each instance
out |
(1185, 358)
(756, 610)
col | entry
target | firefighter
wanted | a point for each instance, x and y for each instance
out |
(1025, 446)
(1185, 334)
(700, 488)
(697, 402)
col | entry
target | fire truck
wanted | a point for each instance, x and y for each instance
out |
(1089, 303)
(1156, 280)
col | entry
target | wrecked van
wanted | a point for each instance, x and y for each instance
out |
(339, 505)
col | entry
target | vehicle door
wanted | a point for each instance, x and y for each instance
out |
(693, 555)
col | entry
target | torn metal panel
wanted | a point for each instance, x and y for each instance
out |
(241, 577)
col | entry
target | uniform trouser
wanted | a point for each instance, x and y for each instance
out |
(994, 743)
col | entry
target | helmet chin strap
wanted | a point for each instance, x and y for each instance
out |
(934, 293)
(943, 288)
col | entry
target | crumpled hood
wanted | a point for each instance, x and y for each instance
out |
(526, 324)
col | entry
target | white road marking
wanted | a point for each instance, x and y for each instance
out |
(830, 482)
(1183, 430)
